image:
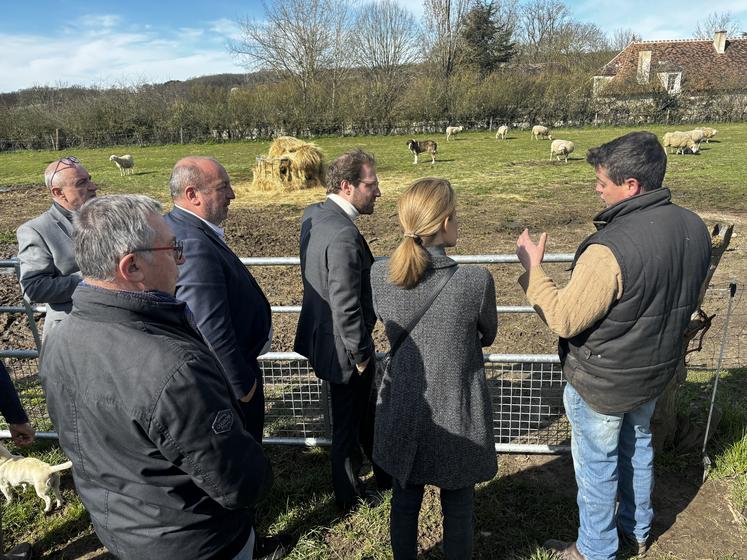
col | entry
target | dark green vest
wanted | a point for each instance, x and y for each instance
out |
(627, 358)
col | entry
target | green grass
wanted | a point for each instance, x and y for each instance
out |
(515, 513)
(517, 171)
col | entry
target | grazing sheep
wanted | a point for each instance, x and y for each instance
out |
(680, 141)
(561, 148)
(453, 131)
(125, 163)
(708, 133)
(697, 135)
(502, 132)
(428, 146)
(539, 130)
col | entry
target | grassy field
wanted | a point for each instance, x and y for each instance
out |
(506, 185)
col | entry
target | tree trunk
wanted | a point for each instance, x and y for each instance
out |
(670, 430)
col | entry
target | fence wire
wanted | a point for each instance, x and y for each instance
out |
(526, 390)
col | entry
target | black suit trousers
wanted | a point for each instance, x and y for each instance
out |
(254, 413)
(352, 428)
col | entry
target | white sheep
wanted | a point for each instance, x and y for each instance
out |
(697, 135)
(453, 131)
(125, 163)
(680, 141)
(561, 148)
(539, 130)
(502, 132)
(708, 133)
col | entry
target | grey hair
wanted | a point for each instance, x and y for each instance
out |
(186, 172)
(108, 227)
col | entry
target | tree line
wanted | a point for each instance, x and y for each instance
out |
(319, 67)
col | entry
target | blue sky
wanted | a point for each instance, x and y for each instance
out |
(56, 42)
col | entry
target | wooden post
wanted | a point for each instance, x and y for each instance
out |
(670, 430)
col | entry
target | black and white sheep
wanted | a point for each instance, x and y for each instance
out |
(424, 146)
(124, 163)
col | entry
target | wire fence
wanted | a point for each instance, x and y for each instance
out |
(526, 389)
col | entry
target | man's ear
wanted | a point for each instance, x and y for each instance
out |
(192, 195)
(129, 269)
(346, 187)
(57, 192)
(633, 186)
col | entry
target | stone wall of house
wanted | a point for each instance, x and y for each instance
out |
(665, 108)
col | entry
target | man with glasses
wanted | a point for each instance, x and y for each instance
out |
(49, 273)
(229, 307)
(165, 470)
(337, 317)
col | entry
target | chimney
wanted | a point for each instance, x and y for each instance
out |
(719, 41)
(644, 66)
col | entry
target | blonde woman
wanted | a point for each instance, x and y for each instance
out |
(433, 412)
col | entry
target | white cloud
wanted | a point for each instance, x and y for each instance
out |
(105, 50)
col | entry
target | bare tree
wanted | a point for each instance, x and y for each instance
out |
(717, 21)
(540, 24)
(298, 39)
(444, 20)
(622, 37)
(386, 42)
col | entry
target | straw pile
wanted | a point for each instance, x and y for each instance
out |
(290, 164)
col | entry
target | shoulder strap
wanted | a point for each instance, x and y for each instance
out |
(419, 315)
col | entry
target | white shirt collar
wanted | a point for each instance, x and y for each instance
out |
(219, 230)
(350, 210)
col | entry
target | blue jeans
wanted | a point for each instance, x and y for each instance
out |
(458, 509)
(613, 458)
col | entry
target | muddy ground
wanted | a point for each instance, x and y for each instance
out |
(694, 521)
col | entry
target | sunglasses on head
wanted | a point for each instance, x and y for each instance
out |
(68, 162)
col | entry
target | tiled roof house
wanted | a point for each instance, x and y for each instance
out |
(691, 65)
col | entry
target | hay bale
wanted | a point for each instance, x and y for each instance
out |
(284, 144)
(291, 164)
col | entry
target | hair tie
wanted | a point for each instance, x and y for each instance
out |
(414, 236)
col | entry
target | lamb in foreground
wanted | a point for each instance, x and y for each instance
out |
(124, 163)
(16, 470)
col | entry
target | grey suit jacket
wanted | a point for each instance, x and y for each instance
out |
(49, 273)
(337, 316)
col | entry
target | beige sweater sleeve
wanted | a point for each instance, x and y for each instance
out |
(596, 283)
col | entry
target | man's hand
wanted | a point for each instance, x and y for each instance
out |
(530, 254)
(250, 394)
(22, 434)
(363, 365)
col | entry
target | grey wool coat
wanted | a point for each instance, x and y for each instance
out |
(434, 420)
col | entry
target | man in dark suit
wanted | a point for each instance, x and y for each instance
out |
(49, 273)
(228, 305)
(337, 316)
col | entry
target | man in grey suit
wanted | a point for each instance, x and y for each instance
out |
(49, 273)
(337, 316)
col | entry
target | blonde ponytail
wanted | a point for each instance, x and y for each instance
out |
(422, 209)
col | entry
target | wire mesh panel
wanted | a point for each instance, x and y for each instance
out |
(295, 402)
(527, 404)
(24, 371)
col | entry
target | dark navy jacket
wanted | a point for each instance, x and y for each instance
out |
(230, 308)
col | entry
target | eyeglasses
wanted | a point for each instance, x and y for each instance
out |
(177, 247)
(68, 161)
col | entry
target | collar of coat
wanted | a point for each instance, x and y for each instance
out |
(648, 199)
(439, 259)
